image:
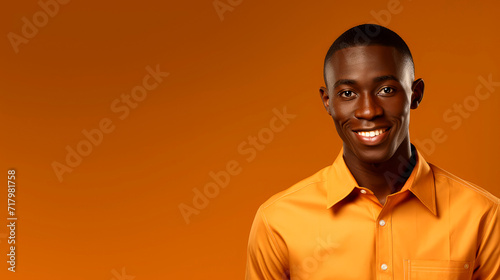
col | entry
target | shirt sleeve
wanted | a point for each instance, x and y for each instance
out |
(265, 258)
(487, 265)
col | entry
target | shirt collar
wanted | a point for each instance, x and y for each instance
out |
(340, 182)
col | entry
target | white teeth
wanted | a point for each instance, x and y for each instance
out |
(372, 133)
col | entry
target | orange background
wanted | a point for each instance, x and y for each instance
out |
(119, 208)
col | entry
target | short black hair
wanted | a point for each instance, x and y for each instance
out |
(365, 35)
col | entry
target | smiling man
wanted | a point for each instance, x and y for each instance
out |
(380, 211)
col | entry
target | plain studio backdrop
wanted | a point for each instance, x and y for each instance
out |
(145, 135)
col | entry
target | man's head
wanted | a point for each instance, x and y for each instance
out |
(370, 89)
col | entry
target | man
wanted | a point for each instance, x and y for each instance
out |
(380, 211)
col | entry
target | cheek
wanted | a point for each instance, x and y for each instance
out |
(340, 112)
(340, 116)
(399, 110)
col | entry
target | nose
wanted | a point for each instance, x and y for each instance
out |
(368, 107)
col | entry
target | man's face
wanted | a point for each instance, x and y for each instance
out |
(369, 93)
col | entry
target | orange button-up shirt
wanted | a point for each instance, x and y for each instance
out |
(437, 226)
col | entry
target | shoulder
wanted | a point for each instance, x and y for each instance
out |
(459, 188)
(309, 191)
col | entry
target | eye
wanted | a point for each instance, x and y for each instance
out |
(387, 91)
(346, 93)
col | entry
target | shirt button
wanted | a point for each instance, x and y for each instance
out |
(466, 266)
(381, 223)
(362, 191)
(383, 266)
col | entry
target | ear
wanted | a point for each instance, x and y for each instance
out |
(323, 92)
(417, 93)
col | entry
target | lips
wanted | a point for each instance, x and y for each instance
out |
(372, 136)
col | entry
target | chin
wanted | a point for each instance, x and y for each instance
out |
(374, 154)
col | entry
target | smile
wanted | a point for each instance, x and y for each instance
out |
(372, 133)
(372, 137)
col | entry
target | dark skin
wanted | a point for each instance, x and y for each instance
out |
(372, 88)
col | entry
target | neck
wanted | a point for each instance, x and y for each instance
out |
(383, 178)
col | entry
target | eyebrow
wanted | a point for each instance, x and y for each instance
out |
(376, 80)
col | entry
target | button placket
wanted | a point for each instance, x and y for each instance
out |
(384, 243)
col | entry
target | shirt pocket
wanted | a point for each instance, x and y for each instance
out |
(437, 270)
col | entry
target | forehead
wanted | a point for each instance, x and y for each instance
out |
(366, 62)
